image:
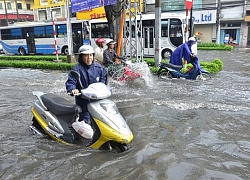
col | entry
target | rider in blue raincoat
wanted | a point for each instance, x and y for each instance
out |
(90, 72)
(183, 51)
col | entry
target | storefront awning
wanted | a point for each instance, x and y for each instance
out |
(21, 16)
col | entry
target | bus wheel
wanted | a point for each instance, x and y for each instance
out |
(166, 54)
(21, 51)
(65, 50)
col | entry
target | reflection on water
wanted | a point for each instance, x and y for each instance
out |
(182, 129)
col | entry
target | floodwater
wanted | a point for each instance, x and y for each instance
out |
(183, 130)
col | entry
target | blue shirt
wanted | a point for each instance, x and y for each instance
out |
(89, 74)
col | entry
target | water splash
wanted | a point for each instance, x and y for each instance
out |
(145, 81)
(143, 69)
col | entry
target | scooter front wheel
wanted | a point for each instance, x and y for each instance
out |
(114, 147)
(165, 75)
(203, 76)
(119, 148)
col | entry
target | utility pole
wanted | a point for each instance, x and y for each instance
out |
(119, 23)
(110, 19)
(157, 32)
(133, 47)
(191, 31)
(17, 12)
(218, 21)
(119, 49)
(189, 4)
(70, 55)
(6, 13)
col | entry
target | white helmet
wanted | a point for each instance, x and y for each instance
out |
(192, 39)
(110, 41)
(86, 49)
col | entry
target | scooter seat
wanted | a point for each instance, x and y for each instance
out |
(172, 65)
(59, 106)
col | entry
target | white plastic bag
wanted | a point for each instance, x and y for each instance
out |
(83, 129)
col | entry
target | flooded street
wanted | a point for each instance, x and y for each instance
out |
(183, 130)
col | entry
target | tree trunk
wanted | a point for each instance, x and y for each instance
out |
(110, 18)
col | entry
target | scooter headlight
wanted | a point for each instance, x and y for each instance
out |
(109, 108)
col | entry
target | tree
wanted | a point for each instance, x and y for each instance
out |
(113, 15)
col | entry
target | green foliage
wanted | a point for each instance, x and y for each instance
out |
(34, 58)
(151, 61)
(47, 63)
(213, 67)
(153, 69)
(36, 64)
(214, 46)
(219, 63)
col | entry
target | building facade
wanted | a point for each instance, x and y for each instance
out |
(15, 11)
(232, 22)
(225, 18)
(210, 17)
(43, 10)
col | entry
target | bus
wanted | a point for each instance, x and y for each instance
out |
(38, 38)
(172, 33)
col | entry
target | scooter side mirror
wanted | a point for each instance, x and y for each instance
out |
(77, 76)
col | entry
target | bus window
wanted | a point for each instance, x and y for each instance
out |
(16, 33)
(61, 30)
(164, 28)
(49, 31)
(132, 33)
(5, 33)
(175, 28)
(148, 23)
(100, 30)
(39, 31)
(176, 32)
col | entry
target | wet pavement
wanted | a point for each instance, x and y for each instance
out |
(182, 129)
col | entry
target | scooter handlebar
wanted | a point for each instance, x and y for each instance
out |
(77, 94)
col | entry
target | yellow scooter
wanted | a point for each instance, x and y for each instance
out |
(54, 116)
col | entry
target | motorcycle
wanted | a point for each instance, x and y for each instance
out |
(54, 115)
(121, 72)
(170, 71)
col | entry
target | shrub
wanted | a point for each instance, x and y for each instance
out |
(219, 63)
(213, 66)
(33, 58)
(36, 64)
(214, 46)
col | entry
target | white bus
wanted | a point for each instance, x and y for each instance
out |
(38, 38)
(172, 33)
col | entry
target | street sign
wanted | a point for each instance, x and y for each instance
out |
(189, 4)
(84, 5)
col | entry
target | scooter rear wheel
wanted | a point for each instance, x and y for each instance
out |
(36, 125)
(203, 76)
(165, 75)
